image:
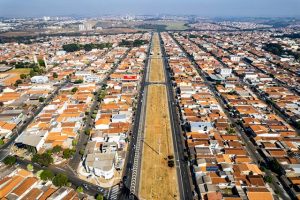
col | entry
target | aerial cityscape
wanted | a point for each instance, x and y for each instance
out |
(184, 100)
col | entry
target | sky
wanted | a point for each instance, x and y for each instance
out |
(204, 8)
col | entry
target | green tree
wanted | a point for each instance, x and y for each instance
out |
(56, 149)
(88, 47)
(268, 179)
(1, 141)
(41, 62)
(32, 73)
(99, 197)
(10, 160)
(81, 152)
(38, 173)
(18, 82)
(30, 167)
(68, 153)
(60, 180)
(44, 159)
(41, 99)
(74, 142)
(78, 81)
(71, 47)
(46, 175)
(87, 131)
(79, 189)
(275, 166)
(23, 76)
(74, 90)
(55, 75)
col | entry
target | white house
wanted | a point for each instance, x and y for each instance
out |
(101, 164)
(39, 79)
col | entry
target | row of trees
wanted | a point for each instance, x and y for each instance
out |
(46, 159)
(87, 47)
(278, 50)
(134, 43)
(158, 27)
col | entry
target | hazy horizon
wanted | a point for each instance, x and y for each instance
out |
(205, 8)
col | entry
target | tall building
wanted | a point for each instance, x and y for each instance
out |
(85, 27)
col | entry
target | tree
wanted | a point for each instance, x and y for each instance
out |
(71, 47)
(81, 152)
(79, 189)
(1, 104)
(1, 141)
(88, 47)
(78, 81)
(99, 197)
(23, 76)
(275, 166)
(46, 175)
(60, 180)
(32, 73)
(41, 99)
(74, 90)
(68, 153)
(87, 131)
(55, 75)
(18, 82)
(44, 159)
(10, 160)
(41, 62)
(56, 149)
(268, 179)
(74, 142)
(38, 173)
(171, 163)
(30, 167)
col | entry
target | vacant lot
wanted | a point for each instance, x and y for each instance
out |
(157, 181)
(156, 64)
(20, 71)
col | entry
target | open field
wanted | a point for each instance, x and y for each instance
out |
(162, 25)
(156, 64)
(20, 71)
(158, 73)
(176, 25)
(158, 181)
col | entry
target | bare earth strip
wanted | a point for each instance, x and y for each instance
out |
(158, 181)
(156, 65)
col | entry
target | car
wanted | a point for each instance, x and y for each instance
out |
(85, 186)
(89, 176)
(100, 189)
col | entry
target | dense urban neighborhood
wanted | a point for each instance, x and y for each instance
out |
(148, 111)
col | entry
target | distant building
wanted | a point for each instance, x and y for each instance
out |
(61, 53)
(225, 72)
(39, 79)
(235, 58)
(85, 27)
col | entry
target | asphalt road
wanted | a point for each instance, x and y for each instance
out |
(183, 172)
(130, 162)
